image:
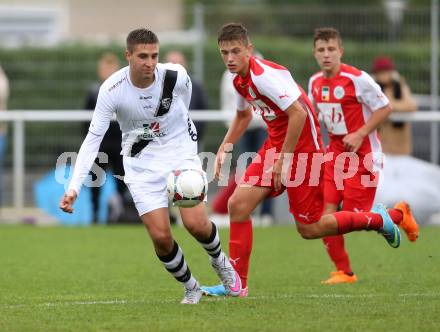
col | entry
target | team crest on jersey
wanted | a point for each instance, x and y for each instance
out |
(166, 103)
(339, 92)
(325, 93)
(252, 93)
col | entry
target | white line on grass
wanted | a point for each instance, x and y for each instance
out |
(79, 303)
(211, 299)
(339, 296)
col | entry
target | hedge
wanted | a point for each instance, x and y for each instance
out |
(58, 78)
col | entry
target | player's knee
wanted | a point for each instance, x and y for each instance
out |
(307, 235)
(233, 203)
(307, 232)
(236, 206)
(192, 228)
(326, 218)
(162, 240)
(198, 228)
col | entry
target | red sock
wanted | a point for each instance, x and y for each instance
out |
(356, 221)
(240, 247)
(220, 202)
(396, 215)
(336, 250)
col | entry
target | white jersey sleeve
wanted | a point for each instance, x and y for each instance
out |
(242, 103)
(278, 85)
(90, 147)
(183, 84)
(369, 93)
(309, 92)
(103, 111)
(84, 162)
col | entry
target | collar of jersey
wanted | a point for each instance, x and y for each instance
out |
(156, 73)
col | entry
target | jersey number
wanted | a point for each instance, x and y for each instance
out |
(264, 110)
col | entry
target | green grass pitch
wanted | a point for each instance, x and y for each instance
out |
(108, 279)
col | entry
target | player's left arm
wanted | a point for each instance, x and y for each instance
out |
(353, 141)
(184, 85)
(369, 94)
(297, 117)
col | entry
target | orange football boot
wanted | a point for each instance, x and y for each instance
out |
(339, 277)
(409, 223)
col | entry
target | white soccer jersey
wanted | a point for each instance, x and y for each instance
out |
(162, 125)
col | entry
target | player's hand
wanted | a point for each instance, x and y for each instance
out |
(219, 160)
(276, 173)
(352, 142)
(66, 202)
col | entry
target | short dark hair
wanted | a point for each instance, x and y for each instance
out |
(232, 32)
(141, 36)
(327, 34)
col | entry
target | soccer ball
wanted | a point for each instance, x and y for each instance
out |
(187, 187)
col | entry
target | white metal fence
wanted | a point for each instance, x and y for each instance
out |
(20, 119)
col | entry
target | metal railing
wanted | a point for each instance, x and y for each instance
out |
(20, 118)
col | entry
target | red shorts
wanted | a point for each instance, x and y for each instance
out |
(353, 185)
(304, 189)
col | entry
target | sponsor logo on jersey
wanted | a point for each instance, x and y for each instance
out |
(252, 93)
(284, 96)
(305, 216)
(325, 94)
(118, 83)
(154, 127)
(234, 261)
(152, 130)
(339, 92)
(145, 97)
(316, 89)
(191, 132)
(369, 219)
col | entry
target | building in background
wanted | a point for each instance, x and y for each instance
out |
(45, 22)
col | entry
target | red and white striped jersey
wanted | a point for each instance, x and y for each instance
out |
(344, 103)
(270, 89)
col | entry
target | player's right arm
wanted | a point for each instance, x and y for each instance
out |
(297, 116)
(89, 149)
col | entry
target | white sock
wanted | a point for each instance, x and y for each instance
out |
(191, 283)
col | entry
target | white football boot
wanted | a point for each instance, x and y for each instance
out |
(192, 296)
(227, 274)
